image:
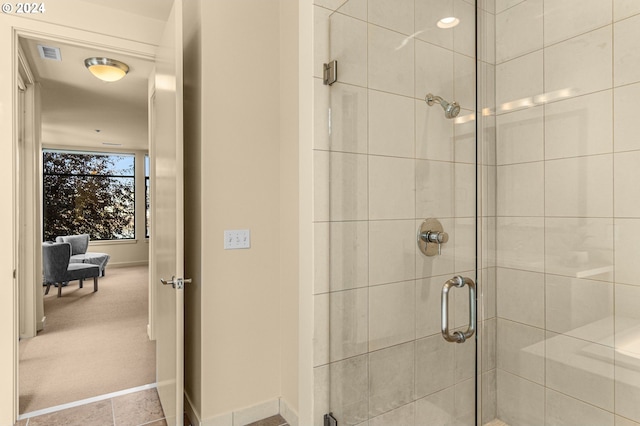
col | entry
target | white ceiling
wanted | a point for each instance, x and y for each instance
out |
(75, 104)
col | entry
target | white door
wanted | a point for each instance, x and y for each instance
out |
(168, 238)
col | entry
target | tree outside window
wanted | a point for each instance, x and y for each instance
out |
(88, 193)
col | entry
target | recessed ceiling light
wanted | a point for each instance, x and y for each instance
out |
(448, 22)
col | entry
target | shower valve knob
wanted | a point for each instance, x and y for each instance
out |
(431, 236)
(435, 237)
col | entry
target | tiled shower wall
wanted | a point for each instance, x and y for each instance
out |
(383, 162)
(568, 211)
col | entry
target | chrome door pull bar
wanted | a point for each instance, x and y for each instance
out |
(458, 336)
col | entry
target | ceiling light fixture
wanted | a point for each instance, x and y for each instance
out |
(106, 69)
(448, 22)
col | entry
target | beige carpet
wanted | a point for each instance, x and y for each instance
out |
(92, 344)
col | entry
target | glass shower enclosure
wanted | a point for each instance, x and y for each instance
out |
(499, 137)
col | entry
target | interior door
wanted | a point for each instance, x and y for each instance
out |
(168, 238)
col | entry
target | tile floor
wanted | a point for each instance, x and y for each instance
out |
(271, 421)
(135, 409)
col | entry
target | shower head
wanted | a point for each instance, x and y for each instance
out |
(451, 110)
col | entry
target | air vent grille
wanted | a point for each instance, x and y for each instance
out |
(48, 52)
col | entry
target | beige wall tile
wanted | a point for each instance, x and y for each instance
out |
(396, 15)
(520, 189)
(464, 90)
(435, 365)
(627, 246)
(579, 126)
(563, 410)
(354, 8)
(580, 308)
(627, 198)
(519, 243)
(348, 46)
(391, 188)
(579, 187)
(569, 18)
(391, 378)
(427, 15)
(520, 402)
(626, 56)
(436, 409)
(340, 182)
(391, 61)
(391, 314)
(579, 247)
(434, 135)
(434, 71)
(625, 8)
(464, 32)
(627, 373)
(625, 122)
(581, 64)
(341, 325)
(465, 184)
(434, 189)
(627, 318)
(580, 369)
(391, 124)
(401, 416)
(519, 29)
(518, 79)
(521, 350)
(520, 296)
(520, 136)
(341, 255)
(392, 251)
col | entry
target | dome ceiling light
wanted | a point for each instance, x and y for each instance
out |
(106, 69)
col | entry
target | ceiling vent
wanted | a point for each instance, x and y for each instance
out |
(47, 52)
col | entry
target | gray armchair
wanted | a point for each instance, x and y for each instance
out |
(79, 253)
(57, 269)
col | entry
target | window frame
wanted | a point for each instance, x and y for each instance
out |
(91, 175)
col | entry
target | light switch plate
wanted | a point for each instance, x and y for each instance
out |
(237, 239)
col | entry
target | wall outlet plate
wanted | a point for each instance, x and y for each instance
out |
(237, 239)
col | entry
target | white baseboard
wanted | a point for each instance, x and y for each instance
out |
(253, 414)
(290, 415)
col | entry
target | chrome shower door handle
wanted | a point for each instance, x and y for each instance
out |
(458, 336)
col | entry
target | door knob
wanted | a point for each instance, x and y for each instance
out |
(176, 282)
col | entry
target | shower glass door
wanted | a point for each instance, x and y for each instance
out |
(386, 160)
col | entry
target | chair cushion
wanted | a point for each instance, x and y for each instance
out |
(79, 243)
(80, 271)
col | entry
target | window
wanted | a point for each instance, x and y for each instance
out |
(147, 198)
(88, 193)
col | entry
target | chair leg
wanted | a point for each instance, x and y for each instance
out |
(81, 283)
(47, 290)
(59, 289)
(95, 284)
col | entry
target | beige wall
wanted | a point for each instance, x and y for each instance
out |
(241, 79)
